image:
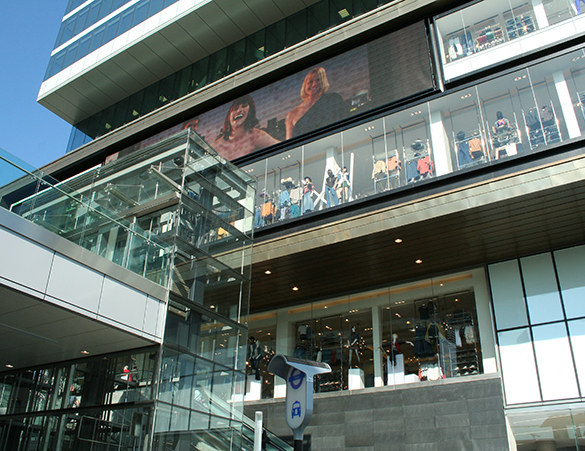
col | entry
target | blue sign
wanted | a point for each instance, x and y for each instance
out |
(296, 379)
(296, 409)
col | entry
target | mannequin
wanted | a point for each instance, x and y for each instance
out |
(395, 347)
(254, 356)
(354, 344)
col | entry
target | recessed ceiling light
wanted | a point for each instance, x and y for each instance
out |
(8, 365)
(267, 272)
(212, 306)
(343, 13)
(418, 261)
(398, 240)
(295, 288)
(85, 352)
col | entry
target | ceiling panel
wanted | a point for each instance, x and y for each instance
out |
(524, 225)
(34, 332)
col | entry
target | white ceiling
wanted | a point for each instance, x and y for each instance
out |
(33, 332)
(200, 32)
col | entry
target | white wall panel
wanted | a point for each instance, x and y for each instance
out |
(571, 270)
(555, 362)
(518, 367)
(122, 304)
(508, 295)
(75, 283)
(24, 262)
(542, 292)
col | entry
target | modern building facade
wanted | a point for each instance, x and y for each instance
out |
(413, 173)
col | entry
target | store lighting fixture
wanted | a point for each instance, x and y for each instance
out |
(398, 240)
(134, 113)
(108, 126)
(8, 365)
(267, 272)
(415, 113)
(418, 261)
(85, 352)
(212, 306)
(343, 13)
(295, 288)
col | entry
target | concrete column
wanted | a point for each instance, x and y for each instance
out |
(284, 345)
(540, 14)
(566, 105)
(440, 144)
(377, 342)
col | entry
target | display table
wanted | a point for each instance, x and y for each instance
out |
(253, 388)
(356, 379)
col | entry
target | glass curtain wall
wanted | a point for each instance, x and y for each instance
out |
(75, 405)
(517, 113)
(425, 331)
(540, 325)
(493, 31)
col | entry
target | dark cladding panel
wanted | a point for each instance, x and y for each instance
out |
(400, 65)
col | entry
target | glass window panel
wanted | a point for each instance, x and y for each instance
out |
(461, 132)
(199, 74)
(126, 21)
(413, 142)
(111, 29)
(318, 18)
(507, 295)
(577, 333)
(67, 30)
(236, 54)
(182, 82)
(275, 37)
(57, 63)
(140, 14)
(518, 367)
(296, 28)
(570, 264)
(319, 157)
(555, 362)
(255, 47)
(217, 65)
(106, 8)
(96, 40)
(71, 54)
(155, 7)
(94, 11)
(507, 104)
(80, 22)
(542, 296)
(377, 165)
(84, 46)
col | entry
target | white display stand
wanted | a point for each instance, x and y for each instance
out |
(253, 389)
(395, 372)
(356, 379)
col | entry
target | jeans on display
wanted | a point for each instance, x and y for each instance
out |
(330, 192)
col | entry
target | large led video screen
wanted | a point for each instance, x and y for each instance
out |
(380, 72)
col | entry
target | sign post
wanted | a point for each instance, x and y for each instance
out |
(298, 374)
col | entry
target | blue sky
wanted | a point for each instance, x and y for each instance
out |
(28, 29)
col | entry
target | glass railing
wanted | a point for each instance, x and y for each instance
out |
(60, 209)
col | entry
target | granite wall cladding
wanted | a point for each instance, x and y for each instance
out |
(448, 415)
